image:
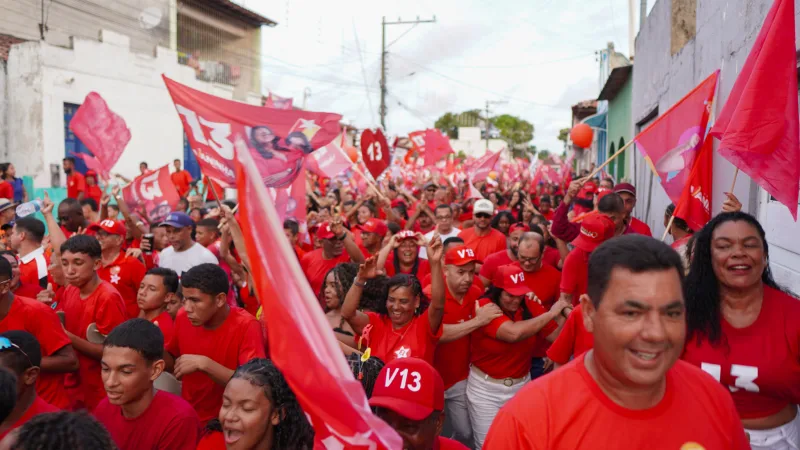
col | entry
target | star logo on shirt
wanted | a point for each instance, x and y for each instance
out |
(402, 352)
(114, 279)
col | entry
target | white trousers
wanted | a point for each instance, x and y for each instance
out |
(486, 396)
(456, 421)
(784, 437)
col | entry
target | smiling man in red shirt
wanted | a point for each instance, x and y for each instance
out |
(482, 238)
(628, 194)
(594, 231)
(124, 272)
(338, 246)
(632, 382)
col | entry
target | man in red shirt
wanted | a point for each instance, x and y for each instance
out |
(135, 414)
(628, 194)
(503, 257)
(335, 239)
(545, 207)
(124, 272)
(211, 339)
(159, 289)
(632, 382)
(26, 239)
(482, 238)
(182, 179)
(594, 231)
(87, 300)
(609, 205)
(573, 340)
(409, 396)
(292, 231)
(372, 233)
(20, 354)
(70, 217)
(17, 287)
(76, 183)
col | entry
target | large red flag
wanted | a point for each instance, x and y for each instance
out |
(480, 169)
(672, 142)
(103, 132)
(279, 140)
(694, 206)
(437, 147)
(758, 125)
(301, 342)
(152, 194)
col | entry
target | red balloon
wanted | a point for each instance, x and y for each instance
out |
(582, 135)
(352, 152)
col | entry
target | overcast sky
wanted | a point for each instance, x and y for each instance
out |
(536, 55)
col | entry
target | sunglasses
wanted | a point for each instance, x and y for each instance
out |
(483, 216)
(6, 344)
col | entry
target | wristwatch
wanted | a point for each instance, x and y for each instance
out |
(361, 285)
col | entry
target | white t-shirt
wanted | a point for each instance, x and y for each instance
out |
(423, 252)
(182, 261)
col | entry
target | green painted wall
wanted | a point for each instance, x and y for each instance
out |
(619, 127)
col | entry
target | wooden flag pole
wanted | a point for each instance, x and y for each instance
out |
(735, 174)
(669, 225)
(611, 158)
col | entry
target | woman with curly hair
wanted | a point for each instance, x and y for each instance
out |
(744, 330)
(502, 221)
(337, 282)
(61, 430)
(259, 412)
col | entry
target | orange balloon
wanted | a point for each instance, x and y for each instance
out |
(493, 175)
(352, 153)
(582, 135)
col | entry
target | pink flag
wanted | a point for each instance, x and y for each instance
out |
(302, 344)
(437, 147)
(291, 202)
(153, 194)
(103, 132)
(328, 161)
(480, 168)
(278, 102)
(473, 191)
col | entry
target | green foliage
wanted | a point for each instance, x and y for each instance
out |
(563, 135)
(544, 154)
(514, 130)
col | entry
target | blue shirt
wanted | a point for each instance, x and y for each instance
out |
(19, 189)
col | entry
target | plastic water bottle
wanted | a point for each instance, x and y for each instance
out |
(31, 207)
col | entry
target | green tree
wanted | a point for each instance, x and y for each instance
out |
(449, 124)
(544, 154)
(515, 131)
(563, 135)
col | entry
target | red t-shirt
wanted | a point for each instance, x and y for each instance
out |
(125, 274)
(451, 359)
(210, 194)
(214, 440)
(181, 180)
(423, 269)
(103, 307)
(42, 322)
(416, 228)
(638, 227)
(500, 359)
(483, 246)
(6, 190)
(541, 417)
(443, 443)
(168, 423)
(575, 274)
(33, 267)
(28, 290)
(76, 184)
(551, 256)
(166, 325)
(760, 364)
(549, 215)
(413, 340)
(94, 192)
(573, 340)
(238, 340)
(315, 267)
(545, 284)
(38, 406)
(494, 262)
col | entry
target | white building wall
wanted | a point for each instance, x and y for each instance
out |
(469, 141)
(42, 77)
(3, 110)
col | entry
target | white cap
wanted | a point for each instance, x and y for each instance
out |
(483, 206)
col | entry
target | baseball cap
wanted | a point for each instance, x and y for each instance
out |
(397, 202)
(6, 204)
(483, 206)
(406, 234)
(460, 255)
(109, 226)
(625, 187)
(376, 226)
(519, 226)
(177, 220)
(602, 192)
(588, 190)
(431, 184)
(324, 231)
(511, 279)
(415, 396)
(595, 230)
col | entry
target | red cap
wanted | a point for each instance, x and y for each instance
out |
(410, 387)
(109, 226)
(460, 255)
(625, 187)
(376, 226)
(595, 230)
(511, 279)
(588, 190)
(405, 234)
(519, 226)
(602, 192)
(397, 202)
(324, 231)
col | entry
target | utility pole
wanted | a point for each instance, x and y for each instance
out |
(384, 52)
(488, 122)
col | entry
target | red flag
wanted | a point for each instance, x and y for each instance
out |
(278, 102)
(153, 192)
(279, 140)
(291, 202)
(328, 161)
(375, 152)
(437, 146)
(302, 345)
(694, 205)
(671, 143)
(758, 125)
(417, 139)
(103, 132)
(480, 169)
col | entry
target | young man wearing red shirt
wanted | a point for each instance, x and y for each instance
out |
(70, 217)
(503, 257)
(409, 396)
(632, 381)
(628, 194)
(17, 287)
(136, 415)
(87, 300)
(124, 272)
(26, 239)
(594, 231)
(182, 179)
(159, 288)
(338, 246)
(20, 354)
(482, 238)
(211, 339)
(573, 341)
(76, 183)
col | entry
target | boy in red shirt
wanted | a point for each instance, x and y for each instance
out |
(87, 300)
(573, 340)
(338, 246)
(632, 381)
(594, 231)
(211, 339)
(182, 179)
(26, 239)
(124, 272)
(135, 414)
(20, 354)
(76, 183)
(159, 287)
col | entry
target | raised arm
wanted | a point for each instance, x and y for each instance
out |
(57, 236)
(357, 319)
(383, 254)
(137, 228)
(435, 251)
(345, 235)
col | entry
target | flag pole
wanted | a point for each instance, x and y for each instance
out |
(669, 225)
(733, 185)
(611, 158)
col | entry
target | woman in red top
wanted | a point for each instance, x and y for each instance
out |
(259, 411)
(404, 327)
(401, 255)
(744, 330)
(501, 352)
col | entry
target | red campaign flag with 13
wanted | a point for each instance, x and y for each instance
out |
(375, 151)
(103, 132)
(302, 344)
(694, 205)
(279, 140)
(152, 194)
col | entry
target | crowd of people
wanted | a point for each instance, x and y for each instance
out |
(538, 316)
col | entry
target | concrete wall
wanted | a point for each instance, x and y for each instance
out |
(3, 110)
(42, 77)
(726, 30)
